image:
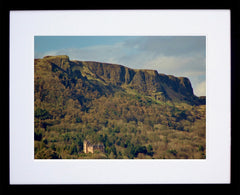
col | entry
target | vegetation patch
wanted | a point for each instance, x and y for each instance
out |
(76, 101)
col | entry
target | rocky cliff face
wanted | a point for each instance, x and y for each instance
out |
(149, 82)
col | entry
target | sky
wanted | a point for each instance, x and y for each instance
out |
(181, 56)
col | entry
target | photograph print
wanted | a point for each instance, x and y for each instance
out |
(119, 97)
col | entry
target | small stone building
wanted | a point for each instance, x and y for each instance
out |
(92, 147)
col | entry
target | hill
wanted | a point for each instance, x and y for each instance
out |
(134, 113)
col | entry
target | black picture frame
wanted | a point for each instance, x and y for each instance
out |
(233, 187)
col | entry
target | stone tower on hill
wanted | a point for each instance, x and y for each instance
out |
(91, 148)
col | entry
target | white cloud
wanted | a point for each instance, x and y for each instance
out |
(200, 89)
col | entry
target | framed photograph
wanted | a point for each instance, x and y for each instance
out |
(120, 97)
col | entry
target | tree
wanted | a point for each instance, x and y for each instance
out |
(112, 156)
(53, 147)
(150, 150)
(181, 116)
(42, 114)
(38, 136)
(73, 149)
(140, 149)
(47, 154)
(78, 120)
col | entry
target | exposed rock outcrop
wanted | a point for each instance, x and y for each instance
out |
(148, 82)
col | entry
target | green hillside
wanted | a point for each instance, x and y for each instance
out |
(136, 114)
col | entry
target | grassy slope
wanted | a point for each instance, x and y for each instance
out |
(130, 124)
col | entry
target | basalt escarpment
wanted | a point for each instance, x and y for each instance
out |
(148, 82)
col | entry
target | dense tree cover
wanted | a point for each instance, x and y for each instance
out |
(73, 106)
